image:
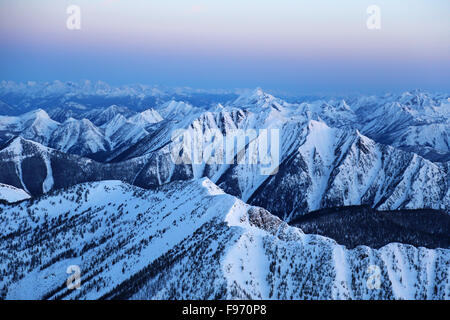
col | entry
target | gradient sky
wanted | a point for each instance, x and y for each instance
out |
(287, 45)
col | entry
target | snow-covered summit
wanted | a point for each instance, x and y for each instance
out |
(258, 99)
(147, 117)
(35, 125)
(78, 137)
(177, 109)
(102, 116)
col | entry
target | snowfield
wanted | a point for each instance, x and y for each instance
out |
(12, 194)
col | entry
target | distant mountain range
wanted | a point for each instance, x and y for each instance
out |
(74, 98)
(103, 156)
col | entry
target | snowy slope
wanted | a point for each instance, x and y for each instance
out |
(331, 167)
(12, 194)
(38, 169)
(145, 118)
(176, 109)
(35, 125)
(123, 132)
(101, 116)
(320, 165)
(199, 243)
(413, 121)
(80, 137)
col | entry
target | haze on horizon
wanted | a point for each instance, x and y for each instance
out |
(285, 45)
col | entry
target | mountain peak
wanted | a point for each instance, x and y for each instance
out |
(41, 113)
(117, 121)
(35, 114)
(174, 107)
(15, 145)
(258, 91)
(87, 122)
(71, 119)
(254, 97)
(146, 117)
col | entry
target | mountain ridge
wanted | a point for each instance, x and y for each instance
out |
(158, 257)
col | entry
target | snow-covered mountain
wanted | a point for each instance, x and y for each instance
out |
(177, 109)
(122, 133)
(319, 166)
(63, 114)
(147, 117)
(35, 125)
(199, 243)
(415, 122)
(258, 99)
(80, 137)
(81, 97)
(6, 108)
(38, 169)
(77, 136)
(101, 116)
(412, 121)
(330, 166)
(339, 168)
(201, 227)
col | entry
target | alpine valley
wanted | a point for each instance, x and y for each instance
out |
(357, 205)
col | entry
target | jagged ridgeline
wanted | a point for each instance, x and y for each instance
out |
(320, 166)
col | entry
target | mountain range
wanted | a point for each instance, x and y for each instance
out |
(190, 240)
(88, 183)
